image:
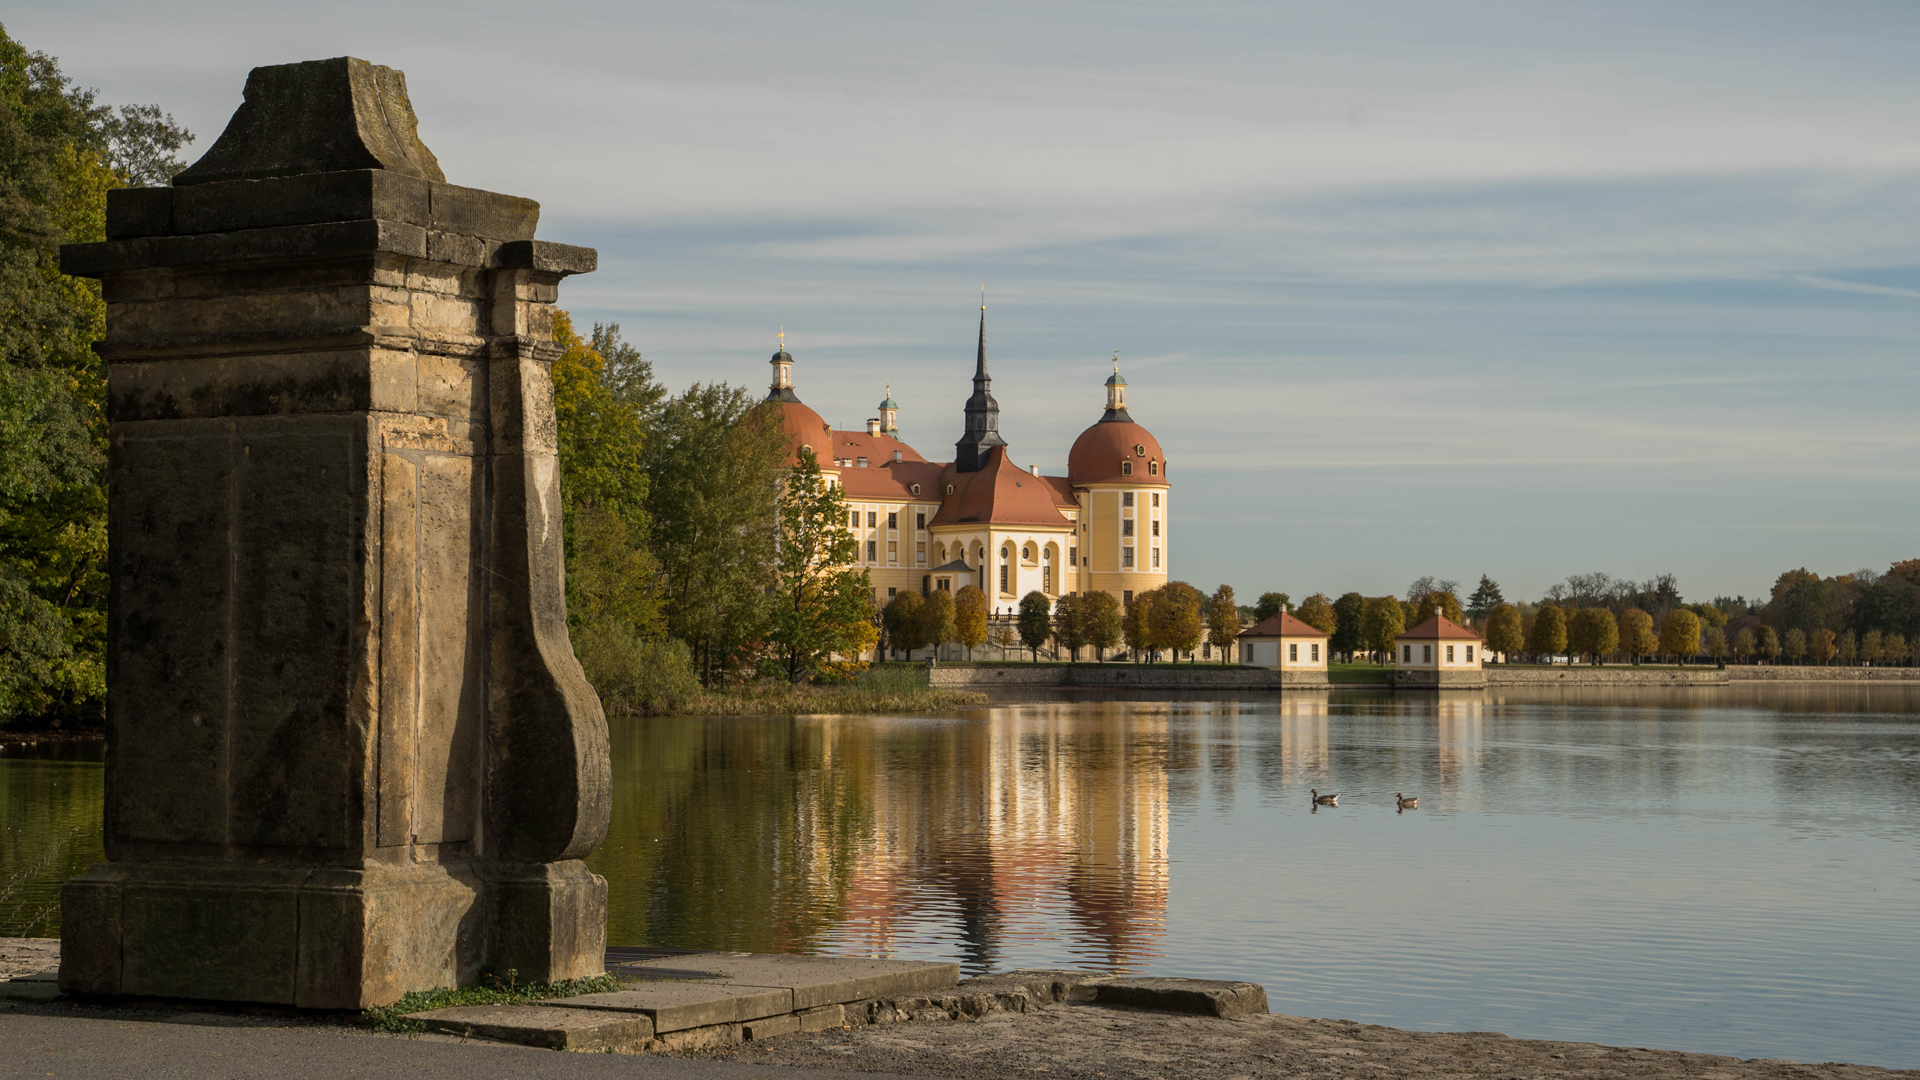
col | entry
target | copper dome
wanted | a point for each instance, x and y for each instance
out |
(1098, 452)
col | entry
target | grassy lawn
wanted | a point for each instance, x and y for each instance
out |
(1359, 673)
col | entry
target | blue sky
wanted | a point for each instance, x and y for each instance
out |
(1527, 289)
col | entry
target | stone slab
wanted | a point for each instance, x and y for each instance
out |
(555, 1028)
(822, 1018)
(28, 990)
(770, 1028)
(680, 1005)
(1207, 997)
(814, 980)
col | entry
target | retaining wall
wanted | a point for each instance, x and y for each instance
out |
(1587, 675)
(1131, 676)
(1770, 673)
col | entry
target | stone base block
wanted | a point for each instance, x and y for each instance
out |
(771, 1028)
(1428, 679)
(553, 1029)
(822, 1018)
(550, 921)
(1207, 997)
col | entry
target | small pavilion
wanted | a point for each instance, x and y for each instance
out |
(1284, 643)
(1439, 653)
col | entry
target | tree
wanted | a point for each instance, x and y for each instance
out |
(1766, 644)
(1872, 647)
(1317, 611)
(1348, 612)
(1635, 634)
(1504, 629)
(712, 457)
(937, 618)
(1713, 642)
(1847, 649)
(1425, 584)
(1103, 621)
(1746, 644)
(1223, 622)
(1437, 602)
(1549, 634)
(1593, 633)
(1271, 604)
(1137, 624)
(820, 606)
(900, 621)
(1680, 634)
(1794, 645)
(1036, 621)
(1381, 624)
(1176, 621)
(1070, 624)
(1823, 647)
(970, 618)
(1484, 599)
(1896, 648)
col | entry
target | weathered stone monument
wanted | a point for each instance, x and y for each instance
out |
(350, 753)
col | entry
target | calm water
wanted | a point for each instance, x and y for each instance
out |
(1733, 870)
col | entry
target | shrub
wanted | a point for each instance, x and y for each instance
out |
(634, 677)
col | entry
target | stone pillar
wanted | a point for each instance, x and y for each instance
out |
(350, 753)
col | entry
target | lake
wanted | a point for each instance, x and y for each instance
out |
(1733, 870)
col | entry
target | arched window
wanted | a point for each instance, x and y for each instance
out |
(1126, 468)
(1153, 467)
(949, 489)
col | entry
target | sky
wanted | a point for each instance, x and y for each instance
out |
(1523, 289)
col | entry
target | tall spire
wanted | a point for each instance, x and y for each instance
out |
(782, 388)
(983, 413)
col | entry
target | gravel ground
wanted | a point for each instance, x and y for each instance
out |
(28, 956)
(1124, 1044)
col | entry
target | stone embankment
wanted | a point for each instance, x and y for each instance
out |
(1797, 674)
(1590, 675)
(1122, 676)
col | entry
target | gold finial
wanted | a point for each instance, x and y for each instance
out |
(783, 337)
(889, 387)
(1116, 361)
(983, 296)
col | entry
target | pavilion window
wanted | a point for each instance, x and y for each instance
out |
(1449, 654)
(1426, 654)
(1406, 654)
(1313, 652)
(1469, 654)
(1293, 654)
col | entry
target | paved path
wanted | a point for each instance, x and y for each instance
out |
(70, 1044)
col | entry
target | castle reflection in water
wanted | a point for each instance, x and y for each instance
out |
(1030, 828)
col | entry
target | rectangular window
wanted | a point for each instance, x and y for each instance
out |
(1156, 558)
(1426, 654)
(1156, 498)
(1449, 654)
(920, 520)
(890, 592)
(920, 553)
(893, 521)
(1073, 556)
(863, 463)
(893, 552)
(1246, 654)
(1314, 653)
(1406, 654)
(1469, 654)
(1126, 597)
(1046, 579)
(1126, 527)
(1126, 557)
(871, 557)
(872, 519)
(1126, 498)
(1156, 526)
(853, 520)
(1293, 653)
(1003, 577)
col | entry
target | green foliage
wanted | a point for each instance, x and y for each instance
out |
(1271, 604)
(635, 676)
(1383, 620)
(1317, 611)
(505, 990)
(1175, 619)
(1103, 619)
(1680, 633)
(1767, 643)
(937, 618)
(1035, 621)
(1070, 624)
(1593, 633)
(1484, 599)
(1713, 642)
(1348, 614)
(1438, 602)
(820, 607)
(1223, 621)
(1823, 647)
(1635, 633)
(1505, 629)
(900, 622)
(1136, 622)
(970, 617)
(1847, 649)
(1548, 635)
(1794, 645)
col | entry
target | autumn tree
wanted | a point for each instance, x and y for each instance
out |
(1823, 647)
(1137, 624)
(937, 619)
(1438, 602)
(821, 606)
(1035, 621)
(1271, 604)
(1637, 638)
(1504, 634)
(1317, 611)
(1847, 649)
(1381, 623)
(1223, 622)
(1896, 648)
(1680, 634)
(1177, 624)
(1070, 624)
(1549, 633)
(1593, 633)
(1766, 644)
(1794, 645)
(1713, 642)
(1102, 617)
(970, 618)
(900, 622)
(1872, 647)
(1746, 644)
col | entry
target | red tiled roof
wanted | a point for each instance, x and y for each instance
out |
(805, 428)
(875, 448)
(1439, 627)
(1000, 493)
(1098, 452)
(1062, 491)
(894, 480)
(1283, 625)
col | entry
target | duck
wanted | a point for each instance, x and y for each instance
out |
(1324, 800)
(1405, 803)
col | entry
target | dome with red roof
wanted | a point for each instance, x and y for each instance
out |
(1116, 450)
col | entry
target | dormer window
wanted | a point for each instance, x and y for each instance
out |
(949, 489)
(898, 456)
(863, 463)
(1126, 468)
(915, 489)
(1153, 468)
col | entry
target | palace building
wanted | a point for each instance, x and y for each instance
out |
(981, 519)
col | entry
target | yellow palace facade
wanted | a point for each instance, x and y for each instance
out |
(980, 519)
